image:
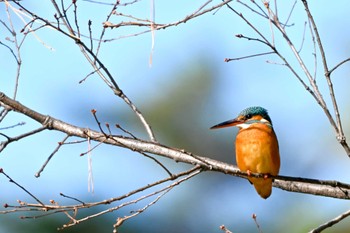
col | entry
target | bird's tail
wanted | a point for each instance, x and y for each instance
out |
(262, 186)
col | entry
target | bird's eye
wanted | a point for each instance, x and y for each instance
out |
(248, 116)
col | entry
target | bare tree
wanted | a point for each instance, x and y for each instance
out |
(66, 21)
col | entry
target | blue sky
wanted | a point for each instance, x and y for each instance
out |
(49, 84)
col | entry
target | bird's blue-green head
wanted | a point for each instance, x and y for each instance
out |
(250, 112)
(247, 117)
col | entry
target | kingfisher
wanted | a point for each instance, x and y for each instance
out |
(256, 147)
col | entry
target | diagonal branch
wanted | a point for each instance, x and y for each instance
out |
(331, 222)
(333, 189)
(21, 187)
(339, 128)
(95, 62)
(315, 92)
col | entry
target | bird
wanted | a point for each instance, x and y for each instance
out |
(257, 149)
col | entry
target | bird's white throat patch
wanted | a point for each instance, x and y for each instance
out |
(247, 124)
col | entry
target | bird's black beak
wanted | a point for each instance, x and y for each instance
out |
(228, 123)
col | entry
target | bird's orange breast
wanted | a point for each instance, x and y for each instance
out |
(257, 151)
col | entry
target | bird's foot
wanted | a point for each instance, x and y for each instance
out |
(249, 173)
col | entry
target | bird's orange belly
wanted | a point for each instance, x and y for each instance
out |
(257, 157)
(257, 151)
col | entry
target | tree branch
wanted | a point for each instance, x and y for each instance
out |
(93, 60)
(338, 127)
(331, 222)
(333, 189)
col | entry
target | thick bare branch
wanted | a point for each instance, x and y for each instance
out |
(316, 187)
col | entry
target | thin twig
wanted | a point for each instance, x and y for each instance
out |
(249, 56)
(13, 139)
(125, 131)
(93, 111)
(290, 13)
(104, 29)
(87, 76)
(112, 4)
(90, 35)
(262, 13)
(337, 66)
(157, 162)
(249, 24)
(330, 223)
(315, 52)
(13, 126)
(11, 50)
(76, 18)
(18, 50)
(272, 17)
(303, 38)
(120, 220)
(224, 229)
(90, 149)
(256, 223)
(21, 187)
(50, 156)
(73, 198)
